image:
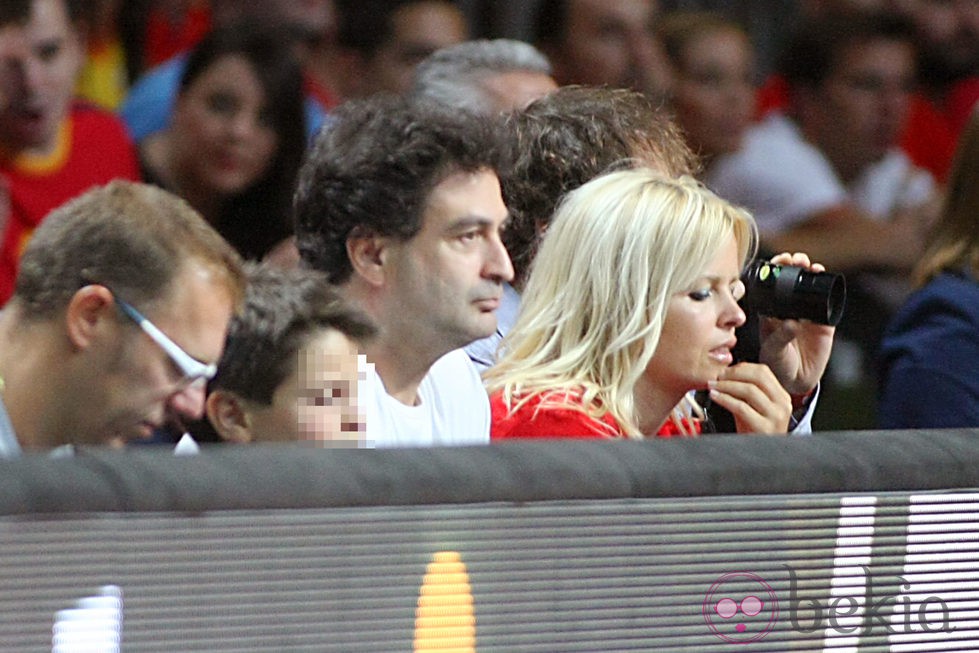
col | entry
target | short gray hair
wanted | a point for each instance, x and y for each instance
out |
(453, 76)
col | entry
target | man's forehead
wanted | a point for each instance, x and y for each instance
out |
(193, 280)
(195, 310)
(457, 179)
(472, 193)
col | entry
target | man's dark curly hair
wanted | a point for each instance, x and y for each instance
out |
(373, 168)
(567, 138)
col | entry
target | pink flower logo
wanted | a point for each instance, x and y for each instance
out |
(740, 607)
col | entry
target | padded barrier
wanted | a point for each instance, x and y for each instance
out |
(236, 478)
(849, 541)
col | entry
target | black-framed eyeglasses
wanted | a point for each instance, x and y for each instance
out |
(192, 369)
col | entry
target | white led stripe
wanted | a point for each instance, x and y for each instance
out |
(854, 538)
(941, 563)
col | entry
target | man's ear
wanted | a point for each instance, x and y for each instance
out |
(86, 315)
(229, 417)
(367, 253)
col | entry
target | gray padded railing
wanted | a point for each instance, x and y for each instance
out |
(851, 541)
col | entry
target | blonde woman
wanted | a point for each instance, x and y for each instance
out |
(631, 304)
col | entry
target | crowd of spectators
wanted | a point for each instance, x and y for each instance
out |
(390, 182)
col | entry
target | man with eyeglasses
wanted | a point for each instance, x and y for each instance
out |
(117, 321)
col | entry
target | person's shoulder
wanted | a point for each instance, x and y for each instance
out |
(773, 129)
(482, 352)
(897, 163)
(774, 139)
(542, 417)
(947, 291)
(453, 368)
(779, 177)
(944, 309)
(101, 143)
(90, 116)
(454, 401)
(453, 387)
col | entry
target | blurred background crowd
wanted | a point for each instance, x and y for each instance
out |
(834, 122)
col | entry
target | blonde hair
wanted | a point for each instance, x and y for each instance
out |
(591, 316)
(953, 245)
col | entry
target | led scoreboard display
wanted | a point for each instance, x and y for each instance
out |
(841, 542)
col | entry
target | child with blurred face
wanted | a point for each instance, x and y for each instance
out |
(291, 365)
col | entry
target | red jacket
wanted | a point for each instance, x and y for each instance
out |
(93, 149)
(533, 420)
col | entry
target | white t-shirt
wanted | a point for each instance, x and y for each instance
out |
(452, 409)
(783, 180)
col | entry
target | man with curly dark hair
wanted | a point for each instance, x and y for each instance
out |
(400, 205)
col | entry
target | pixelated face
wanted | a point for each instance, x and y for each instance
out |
(713, 90)
(445, 283)
(223, 140)
(40, 81)
(740, 607)
(611, 42)
(698, 332)
(318, 401)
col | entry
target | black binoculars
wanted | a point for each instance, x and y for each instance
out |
(793, 293)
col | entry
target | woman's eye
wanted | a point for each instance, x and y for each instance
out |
(700, 295)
